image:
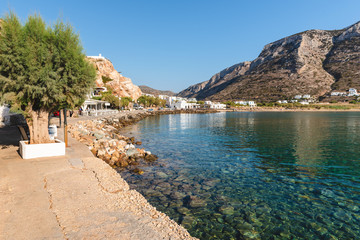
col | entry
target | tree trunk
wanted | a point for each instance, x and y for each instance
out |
(38, 127)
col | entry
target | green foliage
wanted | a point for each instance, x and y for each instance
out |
(106, 79)
(333, 101)
(124, 102)
(148, 101)
(113, 100)
(353, 102)
(97, 97)
(41, 67)
(229, 103)
(201, 102)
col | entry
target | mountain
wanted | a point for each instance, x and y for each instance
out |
(149, 90)
(107, 75)
(313, 62)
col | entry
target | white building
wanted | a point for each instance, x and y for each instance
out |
(163, 97)
(338, 93)
(353, 92)
(304, 103)
(298, 97)
(96, 57)
(246, 103)
(218, 106)
(282, 101)
(211, 105)
(251, 103)
(191, 100)
(99, 90)
(148, 94)
(184, 105)
(306, 96)
(241, 102)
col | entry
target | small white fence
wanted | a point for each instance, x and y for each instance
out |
(99, 112)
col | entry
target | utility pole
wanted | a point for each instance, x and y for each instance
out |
(65, 129)
(60, 118)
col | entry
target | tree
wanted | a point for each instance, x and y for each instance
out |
(42, 69)
(148, 101)
(125, 101)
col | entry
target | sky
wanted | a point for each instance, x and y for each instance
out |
(170, 45)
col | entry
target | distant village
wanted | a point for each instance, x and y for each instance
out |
(97, 107)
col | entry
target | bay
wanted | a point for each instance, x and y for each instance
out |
(254, 175)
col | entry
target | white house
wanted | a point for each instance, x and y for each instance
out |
(337, 93)
(304, 103)
(98, 90)
(163, 97)
(96, 57)
(306, 96)
(251, 103)
(353, 92)
(148, 94)
(246, 103)
(218, 106)
(298, 96)
(282, 101)
(241, 102)
(211, 105)
(191, 100)
(184, 105)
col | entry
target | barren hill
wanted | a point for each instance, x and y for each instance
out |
(149, 90)
(311, 62)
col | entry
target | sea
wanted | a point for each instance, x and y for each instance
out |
(254, 175)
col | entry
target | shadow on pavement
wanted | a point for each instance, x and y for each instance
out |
(9, 136)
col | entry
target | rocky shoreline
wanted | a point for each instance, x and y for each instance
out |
(102, 136)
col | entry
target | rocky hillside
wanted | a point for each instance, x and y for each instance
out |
(107, 75)
(149, 90)
(312, 62)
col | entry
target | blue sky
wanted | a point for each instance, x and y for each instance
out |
(170, 45)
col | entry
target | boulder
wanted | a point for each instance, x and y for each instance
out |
(138, 171)
(151, 158)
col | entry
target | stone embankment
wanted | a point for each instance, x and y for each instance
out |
(102, 136)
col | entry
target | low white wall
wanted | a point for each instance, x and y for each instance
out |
(28, 151)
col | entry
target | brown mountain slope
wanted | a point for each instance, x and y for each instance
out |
(304, 63)
(149, 90)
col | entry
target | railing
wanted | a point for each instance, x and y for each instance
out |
(99, 112)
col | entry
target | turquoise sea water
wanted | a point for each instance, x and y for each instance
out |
(262, 175)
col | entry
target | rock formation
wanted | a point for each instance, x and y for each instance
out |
(312, 62)
(108, 76)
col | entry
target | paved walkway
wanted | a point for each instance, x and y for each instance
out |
(73, 197)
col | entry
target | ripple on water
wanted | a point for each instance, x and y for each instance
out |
(254, 175)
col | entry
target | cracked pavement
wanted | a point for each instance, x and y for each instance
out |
(76, 196)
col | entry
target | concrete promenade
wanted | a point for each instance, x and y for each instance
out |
(76, 196)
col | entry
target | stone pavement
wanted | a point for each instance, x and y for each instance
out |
(76, 196)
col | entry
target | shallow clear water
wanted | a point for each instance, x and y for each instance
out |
(259, 175)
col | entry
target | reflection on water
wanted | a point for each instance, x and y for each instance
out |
(255, 175)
